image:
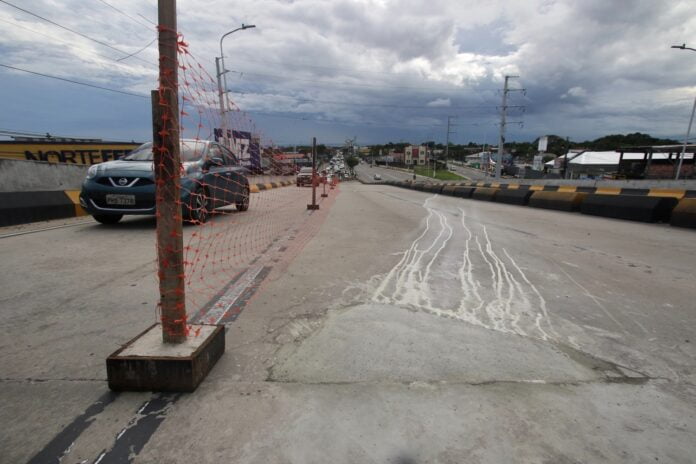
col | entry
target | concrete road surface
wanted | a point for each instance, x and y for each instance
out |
(411, 328)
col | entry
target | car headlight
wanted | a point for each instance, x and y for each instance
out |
(92, 171)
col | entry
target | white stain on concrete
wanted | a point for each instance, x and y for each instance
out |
(489, 288)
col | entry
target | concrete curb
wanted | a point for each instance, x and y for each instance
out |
(257, 188)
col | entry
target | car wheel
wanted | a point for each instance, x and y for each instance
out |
(243, 202)
(199, 207)
(107, 218)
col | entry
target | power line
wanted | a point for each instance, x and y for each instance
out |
(70, 30)
(75, 82)
(141, 50)
(146, 19)
(126, 15)
(72, 44)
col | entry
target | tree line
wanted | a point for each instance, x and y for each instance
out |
(526, 150)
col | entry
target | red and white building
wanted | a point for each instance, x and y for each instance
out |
(415, 155)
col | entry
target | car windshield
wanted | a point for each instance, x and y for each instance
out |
(191, 150)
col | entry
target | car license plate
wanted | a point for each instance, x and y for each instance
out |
(120, 200)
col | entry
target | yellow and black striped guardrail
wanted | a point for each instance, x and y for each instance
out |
(256, 188)
(674, 205)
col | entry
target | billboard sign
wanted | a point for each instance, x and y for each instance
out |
(245, 146)
(537, 163)
(80, 153)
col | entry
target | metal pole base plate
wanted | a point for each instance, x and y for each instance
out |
(146, 363)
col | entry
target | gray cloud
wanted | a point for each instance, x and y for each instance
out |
(382, 69)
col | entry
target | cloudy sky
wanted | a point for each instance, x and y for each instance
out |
(378, 70)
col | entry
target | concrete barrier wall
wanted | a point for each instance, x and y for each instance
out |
(631, 207)
(39, 176)
(637, 204)
(684, 214)
(33, 176)
(25, 206)
(628, 184)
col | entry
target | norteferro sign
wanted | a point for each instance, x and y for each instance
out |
(85, 153)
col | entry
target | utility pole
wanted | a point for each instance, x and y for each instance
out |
(503, 115)
(314, 204)
(222, 84)
(686, 142)
(167, 162)
(565, 161)
(223, 118)
(449, 125)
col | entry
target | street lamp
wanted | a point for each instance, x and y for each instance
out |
(221, 73)
(684, 47)
(691, 121)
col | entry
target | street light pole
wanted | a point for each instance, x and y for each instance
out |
(691, 121)
(222, 83)
(686, 142)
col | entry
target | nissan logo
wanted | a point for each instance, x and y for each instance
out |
(122, 181)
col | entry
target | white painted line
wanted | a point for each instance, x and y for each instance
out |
(226, 301)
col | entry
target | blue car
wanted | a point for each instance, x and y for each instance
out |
(211, 177)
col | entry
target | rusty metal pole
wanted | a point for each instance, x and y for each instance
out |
(165, 118)
(314, 204)
(314, 170)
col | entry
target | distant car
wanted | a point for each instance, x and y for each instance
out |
(304, 177)
(211, 177)
(377, 177)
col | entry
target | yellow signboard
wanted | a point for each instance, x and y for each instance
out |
(85, 153)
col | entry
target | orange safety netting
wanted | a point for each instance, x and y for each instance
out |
(243, 216)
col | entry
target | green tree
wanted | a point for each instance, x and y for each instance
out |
(352, 162)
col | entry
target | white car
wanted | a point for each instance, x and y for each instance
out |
(377, 177)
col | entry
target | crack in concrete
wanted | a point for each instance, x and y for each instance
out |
(610, 372)
(438, 383)
(35, 380)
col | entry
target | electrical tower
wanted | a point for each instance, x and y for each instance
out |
(449, 131)
(503, 115)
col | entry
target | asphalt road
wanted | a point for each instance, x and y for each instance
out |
(469, 173)
(366, 173)
(404, 327)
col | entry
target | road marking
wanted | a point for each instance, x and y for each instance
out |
(135, 435)
(219, 308)
(62, 443)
